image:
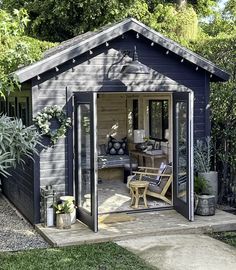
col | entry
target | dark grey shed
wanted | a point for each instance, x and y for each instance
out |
(92, 62)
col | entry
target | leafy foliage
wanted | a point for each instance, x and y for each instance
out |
(16, 141)
(43, 121)
(222, 50)
(64, 207)
(68, 18)
(202, 155)
(200, 185)
(222, 23)
(15, 48)
(178, 24)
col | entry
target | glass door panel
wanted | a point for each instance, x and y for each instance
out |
(84, 149)
(182, 170)
(86, 159)
(183, 153)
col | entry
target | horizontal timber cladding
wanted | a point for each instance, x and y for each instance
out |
(19, 188)
(54, 164)
(111, 117)
(101, 71)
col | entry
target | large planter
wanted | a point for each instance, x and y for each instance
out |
(212, 182)
(63, 221)
(205, 205)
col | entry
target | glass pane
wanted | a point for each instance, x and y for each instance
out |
(135, 114)
(158, 118)
(12, 109)
(84, 157)
(181, 119)
(3, 106)
(23, 112)
(155, 110)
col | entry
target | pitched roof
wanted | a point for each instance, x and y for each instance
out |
(76, 46)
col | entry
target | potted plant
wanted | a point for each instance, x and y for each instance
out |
(63, 217)
(202, 164)
(72, 205)
(204, 203)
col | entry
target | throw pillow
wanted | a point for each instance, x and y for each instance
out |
(160, 171)
(116, 147)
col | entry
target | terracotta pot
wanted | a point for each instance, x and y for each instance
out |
(63, 221)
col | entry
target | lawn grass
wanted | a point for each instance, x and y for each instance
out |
(102, 256)
(227, 237)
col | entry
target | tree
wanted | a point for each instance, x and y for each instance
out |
(178, 24)
(222, 22)
(68, 18)
(222, 50)
(16, 49)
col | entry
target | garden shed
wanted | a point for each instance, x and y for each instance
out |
(118, 84)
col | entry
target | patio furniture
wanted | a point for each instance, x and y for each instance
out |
(138, 190)
(142, 157)
(158, 182)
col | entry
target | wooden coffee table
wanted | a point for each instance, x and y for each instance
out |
(138, 190)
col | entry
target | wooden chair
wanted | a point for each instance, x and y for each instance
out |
(162, 188)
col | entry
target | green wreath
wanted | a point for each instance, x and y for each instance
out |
(44, 118)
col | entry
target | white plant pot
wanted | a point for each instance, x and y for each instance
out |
(212, 182)
(63, 221)
(72, 214)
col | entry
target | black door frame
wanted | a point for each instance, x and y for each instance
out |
(90, 219)
(83, 100)
(186, 208)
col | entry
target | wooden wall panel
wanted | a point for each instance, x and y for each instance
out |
(111, 115)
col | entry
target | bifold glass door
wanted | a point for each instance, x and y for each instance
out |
(183, 200)
(86, 159)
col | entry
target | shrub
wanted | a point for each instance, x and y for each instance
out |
(16, 142)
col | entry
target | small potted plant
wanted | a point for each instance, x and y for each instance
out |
(204, 202)
(63, 217)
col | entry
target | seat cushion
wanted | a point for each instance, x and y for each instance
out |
(164, 179)
(112, 161)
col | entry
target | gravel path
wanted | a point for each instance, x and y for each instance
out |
(15, 232)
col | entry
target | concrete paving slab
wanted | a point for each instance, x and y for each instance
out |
(183, 252)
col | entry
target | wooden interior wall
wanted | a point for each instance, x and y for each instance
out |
(111, 117)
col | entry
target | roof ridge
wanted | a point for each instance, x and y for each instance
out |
(82, 43)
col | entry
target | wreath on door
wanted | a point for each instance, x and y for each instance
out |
(52, 122)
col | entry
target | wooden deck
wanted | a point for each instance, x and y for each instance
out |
(149, 223)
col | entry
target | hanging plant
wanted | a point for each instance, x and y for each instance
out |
(52, 122)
